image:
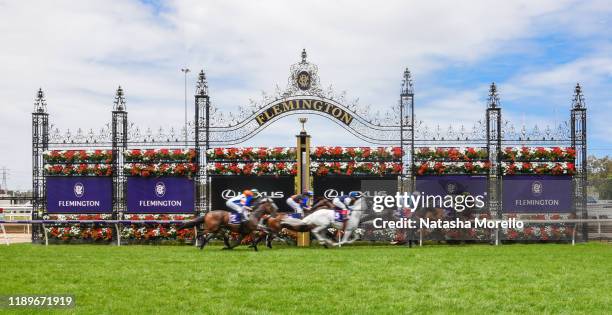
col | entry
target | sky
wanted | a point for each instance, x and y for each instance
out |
(79, 52)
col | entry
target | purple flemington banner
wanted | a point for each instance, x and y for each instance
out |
(79, 194)
(160, 195)
(537, 193)
(452, 185)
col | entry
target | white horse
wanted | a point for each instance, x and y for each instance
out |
(322, 219)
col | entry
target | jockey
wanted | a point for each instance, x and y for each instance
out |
(343, 204)
(242, 203)
(299, 202)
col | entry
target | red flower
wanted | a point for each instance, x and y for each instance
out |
(397, 152)
(423, 169)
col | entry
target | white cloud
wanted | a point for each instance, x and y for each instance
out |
(80, 51)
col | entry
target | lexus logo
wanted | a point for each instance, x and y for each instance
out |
(230, 193)
(332, 193)
(79, 190)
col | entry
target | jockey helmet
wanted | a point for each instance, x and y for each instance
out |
(248, 193)
(308, 193)
(355, 194)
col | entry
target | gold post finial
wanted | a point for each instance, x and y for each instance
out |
(303, 121)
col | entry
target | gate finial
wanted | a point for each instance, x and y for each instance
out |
(40, 104)
(304, 55)
(119, 104)
(578, 101)
(407, 88)
(202, 85)
(493, 96)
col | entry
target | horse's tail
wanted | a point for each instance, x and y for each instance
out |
(295, 225)
(191, 223)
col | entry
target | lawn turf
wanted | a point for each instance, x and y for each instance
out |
(534, 278)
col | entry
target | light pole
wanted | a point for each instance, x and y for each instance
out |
(185, 71)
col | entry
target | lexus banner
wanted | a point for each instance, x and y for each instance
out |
(160, 195)
(225, 187)
(532, 193)
(79, 194)
(369, 186)
(334, 186)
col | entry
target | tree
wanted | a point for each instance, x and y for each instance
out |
(599, 172)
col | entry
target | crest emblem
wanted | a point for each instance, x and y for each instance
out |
(160, 189)
(303, 80)
(451, 188)
(536, 188)
(79, 190)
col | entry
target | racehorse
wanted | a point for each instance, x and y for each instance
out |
(217, 222)
(320, 220)
(274, 229)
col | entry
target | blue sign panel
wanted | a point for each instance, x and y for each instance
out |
(79, 194)
(160, 195)
(537, 193)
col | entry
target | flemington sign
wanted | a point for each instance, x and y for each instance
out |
(280, 108)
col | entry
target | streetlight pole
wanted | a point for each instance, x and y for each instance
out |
(185, 71)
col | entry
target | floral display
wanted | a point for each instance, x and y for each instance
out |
(161, 169)
(442, 168)
(526, 154)
(78, 156)
(451, 154)
(317, 153)
(64, 217)
(66, 233)
(137, 232)
(251, 154)
(149, 232)
(540, 231)
(157, 232)
(355, 168)
(78, 170)
(356, 153)
(253, 168)
(161, 156)
(539, 168)
(78, 163)
(160, 162)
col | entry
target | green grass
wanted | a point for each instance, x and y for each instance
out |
(535, 278)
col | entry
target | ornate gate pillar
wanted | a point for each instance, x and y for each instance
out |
(40, 143)
(406, 133)
(120, 140)
(579, 143)
(494, 143)
(202, 137)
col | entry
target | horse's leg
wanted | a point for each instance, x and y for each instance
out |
(260, 238)
(238, 242)
(205, 239)
(269, 238)
(254, 242)
(321, 238)
(226, 240)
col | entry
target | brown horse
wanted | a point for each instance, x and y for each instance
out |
(217, 222)
(274, 229)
